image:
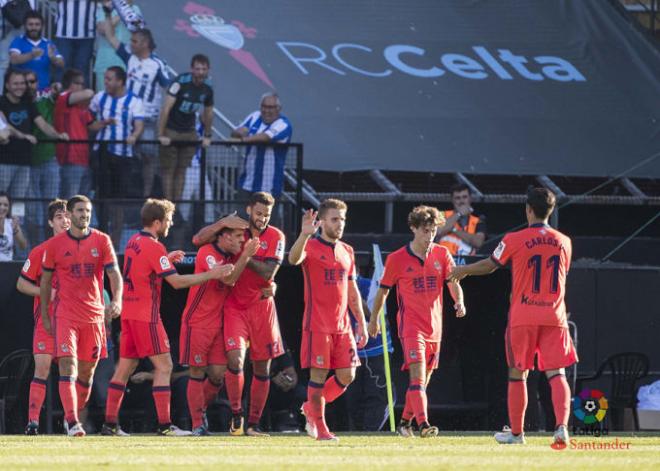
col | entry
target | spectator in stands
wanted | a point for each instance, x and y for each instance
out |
(9, 30)
(189, 94)
(463, 233)
(11, 234)
(146, 76)
(119, 117)
(72, 116)
(264, 165)
(45, 171)
(105, 52)
(286, 394)
(32, 51)
(4, 130)
(75, 33)
(21, 113)
(366, 397)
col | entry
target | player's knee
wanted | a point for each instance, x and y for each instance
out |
(217, 378)
(516, 374)
(67, 366)
(41, 369)
(196, 372)
(235, 362)
(346, 377)
(552, 373)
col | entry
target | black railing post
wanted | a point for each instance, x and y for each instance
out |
(199, 206)
(299, 188)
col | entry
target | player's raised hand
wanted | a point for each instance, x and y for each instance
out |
(232, 221)
(176, 256)
(309, 222)
(457, 274)
(460, 309)
(374, 326)
(220, 271)
(361, 336)
(251, 247)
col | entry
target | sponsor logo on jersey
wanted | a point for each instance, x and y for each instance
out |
(164, 262)
(95, 253)
(210, 261)
(26, 265)
(499, 250)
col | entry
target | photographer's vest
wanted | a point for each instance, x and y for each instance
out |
(454, 244)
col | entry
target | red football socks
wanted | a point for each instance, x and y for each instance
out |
(418, 400)
(162, 396)
(211, 390)
(37, 395)
(83, 391)
(195, 394)
(408, 413)
(113, 403)
(234, 379)
(317, 405)
(561, 399)
(258, 396)
(332, 389)
(517, 401)
(69, 398)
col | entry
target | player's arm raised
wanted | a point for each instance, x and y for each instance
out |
(207, 234)
(117, 290)
(186, 281)
(379, 301)
(249, 249)
(309, 227)
(45, 291)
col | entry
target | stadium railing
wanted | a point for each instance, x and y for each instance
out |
(210, 189)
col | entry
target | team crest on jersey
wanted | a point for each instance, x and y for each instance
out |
(41, 346)
(26, 265)
(263, 245)
(198, 359)
(437, 265)
(413, 354)
(499, 250)
(319, 359)
(65, 348)
(210, 261)
(164, 262)
(95, 253)
(231, 342)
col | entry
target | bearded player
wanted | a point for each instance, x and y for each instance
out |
(419, 270)
(146, 264)
(77, 259)
(540, 257)
(43, 343)
(330, 289)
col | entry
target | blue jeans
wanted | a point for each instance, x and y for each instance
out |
(44, 185)
(77, 54)
(15, 180)
(76, 180)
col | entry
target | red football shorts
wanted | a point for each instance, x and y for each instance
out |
(42, 342)
(417, 349)
(552, 344)
(257, 325)
(201, 345)
(83, 340)
(328, 351)
(140, 339)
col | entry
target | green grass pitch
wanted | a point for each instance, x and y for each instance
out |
(475, 451)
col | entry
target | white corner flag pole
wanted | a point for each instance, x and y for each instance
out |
(375, 279)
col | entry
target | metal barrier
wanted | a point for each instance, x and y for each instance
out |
(203, 182)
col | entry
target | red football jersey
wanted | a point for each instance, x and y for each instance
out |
(79, 265)
(419, 284)
(327, 270)
(145, 266)
(32, 272)
(247, 289)
(205, 302)
(540, 257)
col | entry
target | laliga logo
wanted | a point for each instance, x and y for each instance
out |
(590, 406)
(204, 22)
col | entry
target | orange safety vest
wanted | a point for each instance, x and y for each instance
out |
(454, 244)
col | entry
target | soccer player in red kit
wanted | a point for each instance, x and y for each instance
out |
(540, 257)
(43, 343)
(330, 289)
(146, 264)
(202, 343)
(250, 317)
(419, 270)
(77, 258)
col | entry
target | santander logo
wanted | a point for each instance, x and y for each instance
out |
(203, 22)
